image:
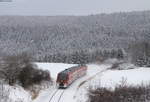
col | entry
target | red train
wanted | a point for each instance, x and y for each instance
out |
(68, 76)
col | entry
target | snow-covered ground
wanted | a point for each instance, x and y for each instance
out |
(54, 68)
(112, 78)
(71, 92)
(130, 77)
(18, 94)
(97, 76)
(14, 94)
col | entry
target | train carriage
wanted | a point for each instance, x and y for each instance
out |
(68, 76)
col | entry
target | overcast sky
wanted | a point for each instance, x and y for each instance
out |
(70, 7)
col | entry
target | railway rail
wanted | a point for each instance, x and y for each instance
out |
(57, 95)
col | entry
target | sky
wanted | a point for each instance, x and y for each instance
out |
(71, 7)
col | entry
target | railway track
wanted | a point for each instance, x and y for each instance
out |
(56, 95)
(90, 78)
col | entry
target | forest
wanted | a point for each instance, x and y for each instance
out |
(60, 38)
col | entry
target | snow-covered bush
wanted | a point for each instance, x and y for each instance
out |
(111, 61)
(19, 69)
(122, 66)
(30, 76)
(36, 88)
(11, 66)
(126, 66)
(120, 94)
(4, 93)
(13, 93)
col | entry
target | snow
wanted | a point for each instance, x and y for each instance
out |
(71, 92)
(112, 78)
(17, 94)
(111, 61)
(98, 75)
(44, 95)
(54, 68)
(126, 66)
(132, 77)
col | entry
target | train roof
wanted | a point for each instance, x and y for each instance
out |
(71, 69)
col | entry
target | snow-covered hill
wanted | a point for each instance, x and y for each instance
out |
(44, 36)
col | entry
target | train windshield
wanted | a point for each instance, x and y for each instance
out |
(62, 76)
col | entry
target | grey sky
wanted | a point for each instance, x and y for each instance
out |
(71, 7)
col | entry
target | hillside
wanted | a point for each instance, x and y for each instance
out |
(47, 35)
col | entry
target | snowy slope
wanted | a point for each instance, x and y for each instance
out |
(132, 77)
(18, 94)
(97, 76)
(70, 93)
(112, 78)
(14, 94)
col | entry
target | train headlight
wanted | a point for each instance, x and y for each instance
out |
(65, 85)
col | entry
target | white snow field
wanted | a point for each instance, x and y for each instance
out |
(132, 77)
(97, 76)
(14, 94)
(70, 93)
(112, 78)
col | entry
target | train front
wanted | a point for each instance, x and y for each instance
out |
(62, 80)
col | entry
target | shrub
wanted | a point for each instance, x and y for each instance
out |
(11, 66)
(20, 69)
(120, 94)
(115, 66)
(30, 75)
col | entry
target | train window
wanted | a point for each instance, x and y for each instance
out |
(62, 76)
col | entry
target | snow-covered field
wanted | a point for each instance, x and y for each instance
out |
(97, 76)
(112, 78)
(130, 77)
(71, 92)
(18, 94)
(54, 68)
(14, 94)
(109, 78)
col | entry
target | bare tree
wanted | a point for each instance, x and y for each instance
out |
(11, 66)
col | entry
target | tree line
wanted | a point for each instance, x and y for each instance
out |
(41, 36)
(85, 56)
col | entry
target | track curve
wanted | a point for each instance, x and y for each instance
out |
(57, 95)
